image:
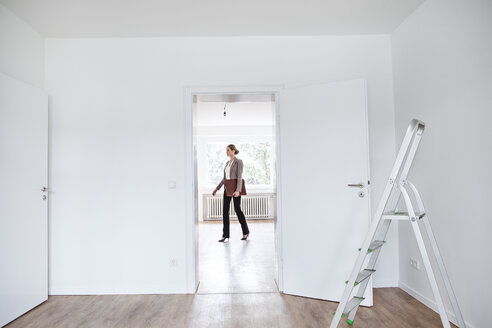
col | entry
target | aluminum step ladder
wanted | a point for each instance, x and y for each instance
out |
(397, 186)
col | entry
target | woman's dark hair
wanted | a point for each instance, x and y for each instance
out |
(233, 148)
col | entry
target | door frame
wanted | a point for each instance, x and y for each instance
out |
(191, 251)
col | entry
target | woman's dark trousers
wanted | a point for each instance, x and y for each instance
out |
(239, 212)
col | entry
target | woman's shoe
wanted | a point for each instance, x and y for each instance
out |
(223, 240)
(244, 238)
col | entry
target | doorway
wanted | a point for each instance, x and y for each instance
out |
(321, 218)
(247, 119)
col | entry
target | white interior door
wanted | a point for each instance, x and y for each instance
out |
(23, 211)
(324, 147)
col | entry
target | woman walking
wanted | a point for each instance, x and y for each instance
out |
(232, 171)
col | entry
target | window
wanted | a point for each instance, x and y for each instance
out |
(256, 157)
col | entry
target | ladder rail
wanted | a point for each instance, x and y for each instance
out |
(425, 257)
(437, 254)
(413, 129)
(417, 136)
(380, 234)
(360, 258)
(370, 265)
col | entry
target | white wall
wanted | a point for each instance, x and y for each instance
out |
(21, 49)
(443, 75)
(117, 138)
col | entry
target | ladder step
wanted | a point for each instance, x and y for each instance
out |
(400, 215)
(352, 304)
(374, 245)
(363, 275)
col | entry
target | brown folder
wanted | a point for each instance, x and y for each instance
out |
(231, 185)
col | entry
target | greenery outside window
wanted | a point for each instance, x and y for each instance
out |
(256, 157)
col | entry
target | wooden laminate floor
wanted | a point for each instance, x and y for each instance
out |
(237, 290)
(392, 308)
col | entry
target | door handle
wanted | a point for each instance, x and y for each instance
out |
(360, 185)
(44, 189)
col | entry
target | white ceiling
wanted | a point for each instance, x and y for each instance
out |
(153, 18)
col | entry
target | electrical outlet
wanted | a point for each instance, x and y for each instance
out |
(173, 263)
(414, 263)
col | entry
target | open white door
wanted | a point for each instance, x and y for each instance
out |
(324, 147)
(23, 209)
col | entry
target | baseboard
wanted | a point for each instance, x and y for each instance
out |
(142, 290)
(430, 303)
